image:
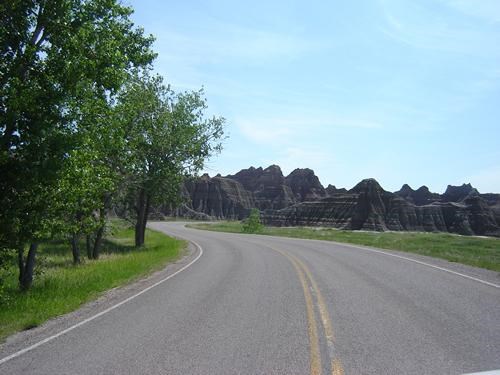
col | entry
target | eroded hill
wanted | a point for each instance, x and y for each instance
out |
(300, 199)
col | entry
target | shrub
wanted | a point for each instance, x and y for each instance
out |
(252, 224)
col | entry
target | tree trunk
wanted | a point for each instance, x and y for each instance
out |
(145, 218)
(100, 232)
(20, 263)
(97, 242)
(88, 245)
(26, 267)
(140, 220)
(75, 248)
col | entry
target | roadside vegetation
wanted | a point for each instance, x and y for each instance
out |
(62, 286)
(86, 130)
(252, 223)
(474, 251)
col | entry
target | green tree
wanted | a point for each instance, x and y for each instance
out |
(168, 138)
(77, 211)
(53, 55)
(252, 223)
(90, 176)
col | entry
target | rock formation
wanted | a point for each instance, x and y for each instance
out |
(458, 193)
(267, 186)
(300, 199)
(305, 185)
(368, 207)
(249, 178)
(493, 201)
(217, 197)
(331, 190)
(420, 197)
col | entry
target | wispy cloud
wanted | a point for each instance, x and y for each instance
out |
(228, 43)
(288, 129)
(418, 26)
(203, 56)
(455, 46)
(268, 130)
(488, 10)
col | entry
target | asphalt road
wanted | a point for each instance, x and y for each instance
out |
(266, 305)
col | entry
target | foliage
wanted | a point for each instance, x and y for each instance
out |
(54, 54)
(82, 122)
(252, 223)
(167, 137)
(6, 271)
(58, 58)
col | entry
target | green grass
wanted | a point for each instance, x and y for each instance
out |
(474, 251)
(63, 287)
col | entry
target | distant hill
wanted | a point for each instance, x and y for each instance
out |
(300, 199)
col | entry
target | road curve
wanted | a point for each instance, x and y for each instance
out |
(266, 305)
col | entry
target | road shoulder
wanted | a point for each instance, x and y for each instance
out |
(24, 339)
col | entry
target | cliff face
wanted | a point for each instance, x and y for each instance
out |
(267, 186)
(331, 190)
(458, 193)
(305, 185)
(493, 201)
(368, 207)
(419, 197)
(217, 197)
(300, 199)
(249, 178)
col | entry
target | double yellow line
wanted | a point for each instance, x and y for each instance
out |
(305, 276)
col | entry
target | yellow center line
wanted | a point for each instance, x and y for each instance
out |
(335, 364)
(337, 368)
(316, 368)
(323, 310)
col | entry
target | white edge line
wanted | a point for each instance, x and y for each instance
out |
(396, 256)
(384, 253)
(69, 329)
(429, 265)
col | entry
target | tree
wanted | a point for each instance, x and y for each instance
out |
(90, 175)
(85, 179)
(54, 54)
(168, 137)
(252, 223)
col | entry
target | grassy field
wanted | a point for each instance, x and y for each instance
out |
(474, 251)
(62, 287)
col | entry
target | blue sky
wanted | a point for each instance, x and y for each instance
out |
(403, 91)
